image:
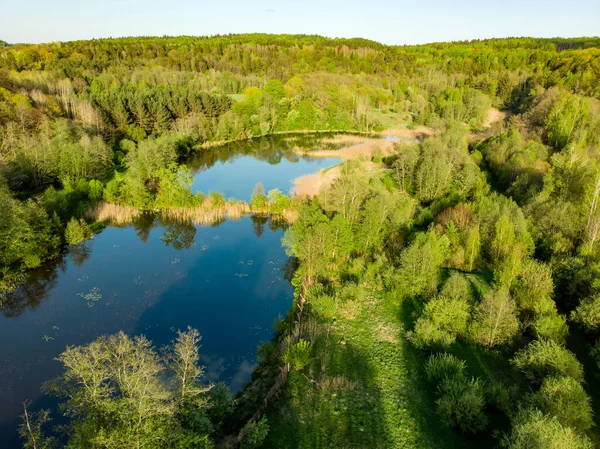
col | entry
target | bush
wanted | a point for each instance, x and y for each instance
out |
(542, 358)
(298, 355)
(457, 286)
(96, 189)
(442, 321)
(324, 306)
(565, 398)
(532, 429)
(461, 403)
(442, 366)
(77, 231)
(216, 199)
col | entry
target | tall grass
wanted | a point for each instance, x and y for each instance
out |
(206, 214)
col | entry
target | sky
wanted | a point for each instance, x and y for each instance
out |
(393, 22)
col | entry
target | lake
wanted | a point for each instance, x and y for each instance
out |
(236, 168)
(230, 281)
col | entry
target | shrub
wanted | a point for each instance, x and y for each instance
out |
(298, 355)
(216, 199)
(565, 398)
(96, 189)
(532, 429)
(441, 366)
(461, 403)
(77, 231)
(442, 321)
(324, 306)
(457, 286)
(542, 358)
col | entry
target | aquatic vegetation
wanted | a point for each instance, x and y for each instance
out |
(92, 296)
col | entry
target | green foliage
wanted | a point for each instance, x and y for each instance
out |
(564, 398)
(442, 321)
(258, 200)
(442, 366)
(534, 430)
(542, 358)
(461, 403)
(420, 264)
(77, 231)
(588, 313)
(256, 434)
(494, 319)
(116, 393)
(298, 355)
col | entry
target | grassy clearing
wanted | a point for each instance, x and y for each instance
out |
(370, 390)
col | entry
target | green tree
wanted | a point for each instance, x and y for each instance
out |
(494, 319)
(531, 429)
(565, 398)
(542, 358)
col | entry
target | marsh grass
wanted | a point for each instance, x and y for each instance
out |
(208, 213)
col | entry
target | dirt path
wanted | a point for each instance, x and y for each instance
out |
(495, 115)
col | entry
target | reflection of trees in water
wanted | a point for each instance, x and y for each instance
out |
(258, 224)
(80, 253)
(270, 149)
(35, 289)
(143, 224)
(289, 268)
(178, 234)
(260, 220)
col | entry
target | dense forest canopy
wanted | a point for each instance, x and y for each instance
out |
(462, 268)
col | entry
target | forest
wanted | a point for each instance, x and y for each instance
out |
(449, 298)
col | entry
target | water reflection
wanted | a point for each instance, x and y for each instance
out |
(235, 168)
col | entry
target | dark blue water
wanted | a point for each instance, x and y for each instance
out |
(235, 169)
(149, 278)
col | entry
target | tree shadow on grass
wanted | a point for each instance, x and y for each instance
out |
(343, 411)
(423, 394)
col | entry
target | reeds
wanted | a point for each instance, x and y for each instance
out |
(205, 214)
(120, 214)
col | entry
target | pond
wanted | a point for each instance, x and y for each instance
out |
(235, 169)
(152, 278)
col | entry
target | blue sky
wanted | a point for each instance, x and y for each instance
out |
(390, 22)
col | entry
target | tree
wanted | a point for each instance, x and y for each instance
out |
(542, 358)
(532, 429)
(461, 403)
(259, 200)
(494, 319)
(588, 313)
(443, 320)
(117, 397)
(564, 398)
(183, 359)
(420, 265)
(77, 231)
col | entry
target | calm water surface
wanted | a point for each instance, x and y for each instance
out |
(275, 162)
